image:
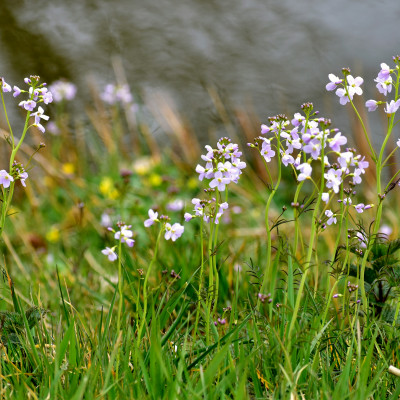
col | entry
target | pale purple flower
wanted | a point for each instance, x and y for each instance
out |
(343, 98)
(325, 197)
(398, 143)
(384, 73)
(175, 205)
(362, 239)
(360, 208)
(152, 218)
(345, 159)
(47, 97)
(219, 181)
(298, 118)
(206, 172)
(392, 107)
(17, 91)
(361, 164)
(372, 105)
(357, 176)
(337, 141)
(29, 105)
(173, 232)
(105, 220)
(27, 81)
(384, 85)
(34, 93)
(334, 82)
(62, 90)
(385, 230)
(333, 179)
(266, 150)
(354, 85)
(305, 170)
(125, 234)
(237, 210)
(115, 93)
(5, 86)
(286, 159)
(201, 171)
(187, 217)
(264, 129)
(222, 207)
(39, 115)
(331, 217)
(23, 176)
(5, 178)
(313, 147)
(347, 201)
(40, 127)
(110, 253)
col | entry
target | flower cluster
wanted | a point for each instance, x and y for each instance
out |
(37, 93)
(223, 164)
(210, 210)
(113, 94)
(17, 173)
(306, 139)
(345, 88)
(384, 83)
(63, 90)
(123, 235)
(172, 232)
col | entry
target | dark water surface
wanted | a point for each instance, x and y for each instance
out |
(270, 55)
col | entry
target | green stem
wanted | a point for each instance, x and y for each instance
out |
(121, 299)
(379, 166)
(200, 281)
(143, 319)
(8, 121)
(296, 218)
(266, 217)
(210, 283)
(373, 155)
(314, 224)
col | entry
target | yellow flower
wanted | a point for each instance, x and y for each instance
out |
(53, 235)
(68, 168)
(192, 183)
(107, 188)
(155, 180)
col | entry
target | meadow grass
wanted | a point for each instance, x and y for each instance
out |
(268, 304)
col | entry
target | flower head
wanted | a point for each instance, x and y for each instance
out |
(29, 105)
(392, 107)
(384, 85)
(4, 86)
(334, 82)
(152, 218)
(384, 73)
(331, 217)
(62, 90)
(110, 253)
(372, 105)
(173, 232)
(5, 178)
(125, 234)
(39, 115)
(305, 171)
